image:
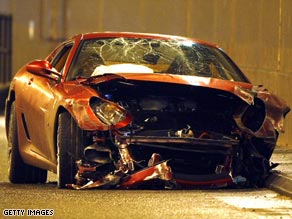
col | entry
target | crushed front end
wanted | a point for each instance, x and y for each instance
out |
(171, 135)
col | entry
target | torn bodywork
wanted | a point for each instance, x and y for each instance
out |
(183, 136)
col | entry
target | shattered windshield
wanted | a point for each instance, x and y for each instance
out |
(132, 55)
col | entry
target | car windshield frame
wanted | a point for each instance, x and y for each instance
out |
(99, 56)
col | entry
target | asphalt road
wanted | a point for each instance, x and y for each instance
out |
(64, 203)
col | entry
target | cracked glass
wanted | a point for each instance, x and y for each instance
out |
(132, 55)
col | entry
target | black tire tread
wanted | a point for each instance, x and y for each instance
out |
(69, 144)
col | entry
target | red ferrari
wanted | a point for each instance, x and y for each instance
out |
(131, 110)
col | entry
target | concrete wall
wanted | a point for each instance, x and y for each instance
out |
(5, 7)
(255, 33)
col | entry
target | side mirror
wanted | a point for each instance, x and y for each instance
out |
(43, 68)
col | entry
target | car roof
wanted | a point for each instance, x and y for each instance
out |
(93, 35)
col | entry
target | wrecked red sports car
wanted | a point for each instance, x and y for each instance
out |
(130, 110)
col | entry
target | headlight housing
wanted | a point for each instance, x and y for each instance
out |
(109, 113)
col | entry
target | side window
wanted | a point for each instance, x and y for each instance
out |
(59, 60)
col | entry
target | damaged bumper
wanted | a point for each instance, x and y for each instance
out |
(128, 173)
(157, 175)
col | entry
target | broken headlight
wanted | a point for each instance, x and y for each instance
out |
(109, 113)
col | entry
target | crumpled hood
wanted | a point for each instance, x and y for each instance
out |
(240, 89)
(276, 108)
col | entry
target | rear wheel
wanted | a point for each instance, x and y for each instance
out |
(70, 148)
(18, 171)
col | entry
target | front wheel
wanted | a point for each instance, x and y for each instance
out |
(18, 171)
(70, 145)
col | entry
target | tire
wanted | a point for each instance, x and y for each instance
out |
(18, 171)
(69, 147)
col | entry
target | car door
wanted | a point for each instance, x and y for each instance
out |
(38, 97)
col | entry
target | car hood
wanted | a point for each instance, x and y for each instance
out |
(245, 91)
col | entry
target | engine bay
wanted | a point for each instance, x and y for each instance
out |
(161, 109)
